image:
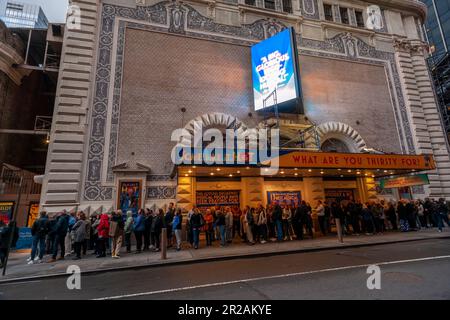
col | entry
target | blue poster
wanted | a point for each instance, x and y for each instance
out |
(25, 239)
(274, 68)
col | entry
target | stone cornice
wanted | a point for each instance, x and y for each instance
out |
(412, 46)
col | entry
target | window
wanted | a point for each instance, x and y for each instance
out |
(344, 15)
(287, 6)
(250, 2)
(359, 19)
(328, 9)
(269, 4)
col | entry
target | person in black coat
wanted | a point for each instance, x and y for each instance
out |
(392, 217)
(60, 230)
(39, 231)
(156, 228)
(277, 217)
(148, 225)
(168, 218)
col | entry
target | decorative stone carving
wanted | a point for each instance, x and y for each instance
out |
(161, 192)
(310, 9)
(177, 18)
(350, 44)
(340, 130)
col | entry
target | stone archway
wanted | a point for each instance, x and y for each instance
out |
(211, 120)
(341, 132)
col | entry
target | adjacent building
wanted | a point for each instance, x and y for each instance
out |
(437, 30)
(136, 71)
(16, 14)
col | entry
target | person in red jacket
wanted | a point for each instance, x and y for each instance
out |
(103, 235)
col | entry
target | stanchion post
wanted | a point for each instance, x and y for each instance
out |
(164, 244)
(339, 230)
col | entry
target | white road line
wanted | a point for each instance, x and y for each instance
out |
(217, 284)
(22, 282)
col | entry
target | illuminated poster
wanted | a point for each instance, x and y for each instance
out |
(33, 214)
(339, 195)
(6, 211)
(217, 198)
(274, 67)
(129, 196)
(284, 197)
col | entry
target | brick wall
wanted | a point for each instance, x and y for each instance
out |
(163, 73)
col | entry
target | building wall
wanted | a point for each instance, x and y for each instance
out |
(19, 106)
(89, 140)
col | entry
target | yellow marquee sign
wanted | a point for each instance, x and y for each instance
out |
(324, 160)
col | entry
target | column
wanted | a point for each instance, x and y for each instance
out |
(434, 125)
(423, 113)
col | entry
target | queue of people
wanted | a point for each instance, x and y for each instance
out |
(105, 234)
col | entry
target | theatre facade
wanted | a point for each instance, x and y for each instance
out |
(364, 125)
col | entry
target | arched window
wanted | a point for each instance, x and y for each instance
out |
(335, 145)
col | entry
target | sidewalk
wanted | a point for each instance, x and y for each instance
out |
(19, 270)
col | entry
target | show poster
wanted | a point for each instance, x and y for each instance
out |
(130, 196)
(338, 195)
(217, 198)
(33, 214)
(274, 67)
(284, 197)
(6, 211)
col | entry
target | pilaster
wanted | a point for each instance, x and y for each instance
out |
(62, 183)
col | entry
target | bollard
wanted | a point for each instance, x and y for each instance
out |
(164, 244)
(339, 230)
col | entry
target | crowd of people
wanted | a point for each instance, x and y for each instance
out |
(104, 234)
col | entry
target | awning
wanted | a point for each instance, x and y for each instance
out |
(316, 164)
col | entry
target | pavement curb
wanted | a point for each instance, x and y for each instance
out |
(212, 259)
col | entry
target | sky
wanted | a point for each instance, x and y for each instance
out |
(55, 10)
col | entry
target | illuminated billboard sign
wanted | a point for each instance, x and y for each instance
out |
(275, 71)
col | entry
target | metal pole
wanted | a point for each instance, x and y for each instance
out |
(28, 46)
(13, 226)
(45, 54)
(339, 230)
(164, 244)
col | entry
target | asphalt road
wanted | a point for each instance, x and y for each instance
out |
(414, 270)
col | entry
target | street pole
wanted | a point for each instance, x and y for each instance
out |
(13, 226)
(164, 244)
(339, 230)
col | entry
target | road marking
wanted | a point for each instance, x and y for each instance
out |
(218, 284)
(22, 282)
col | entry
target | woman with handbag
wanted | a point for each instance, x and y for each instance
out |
(116, 233)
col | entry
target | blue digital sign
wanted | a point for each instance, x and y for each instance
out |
(275, 70)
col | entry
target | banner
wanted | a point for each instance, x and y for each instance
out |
(406, 181)
(326, 160)
(284, 197)
(6, 211)
(217, 198)
(25, 239)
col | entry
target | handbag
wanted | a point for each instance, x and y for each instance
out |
(113, 229)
